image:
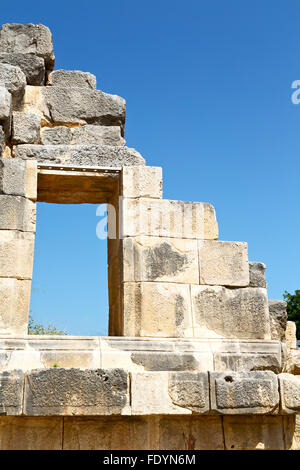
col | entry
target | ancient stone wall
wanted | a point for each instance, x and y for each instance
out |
(197, 357)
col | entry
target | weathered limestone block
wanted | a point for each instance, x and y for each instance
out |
(113, 433)
(16, 254)
(5, 104)
(244, 392)
(142, 182)
(72, 78)
(291, 429)
(190, 390)
(32, 66)
(28, 39)
(253, 433)
(26, 128)
(65, 105)
(27, 433)
(76, 391)
(13, 79)
(82, 135)
(160, 259)
(248, 362)
(191, 433)
(223, 263)
(290, 335)
(278, 319)
(156, 309)
(89, 155)
(18, 178)
(293, 362)
(290, 393)
(17, 213)
(257, 274)
(11, 392)
(150, 395)
(14, 305)
(230, 313)
(166, 218)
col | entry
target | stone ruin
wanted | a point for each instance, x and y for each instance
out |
(196, 357)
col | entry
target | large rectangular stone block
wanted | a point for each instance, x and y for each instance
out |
(190, 390)
(27, 433)
(28, 39)
(244, 393)
(166, 218)
(13, 79)
(253, 433)
(11, 392)
(290, 393)
(82, 135)
(230, 313)
(32, 66)
(160, 259)
(76, 391)
(26, 128)
(278, 319)
(72, 78)
(18, 178)
(17, 213)
(156, 309)
(142, 182)
(16, 254)
(81, 155)
(66, 105)
(150, 395)
(223, 263)
(14, 306)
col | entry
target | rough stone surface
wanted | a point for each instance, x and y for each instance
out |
(18, 178)
(14, 306)
(26, 128)
(142, 182)
(248, 362)
(290, 393)
(190, 390)
(293, 362)
(290, 335)
(150, 395)
(72, 78)
(75, 106)
(157, 309)
(278, 319)
(32, 66)
(257, 273)
(77, 391)
(11, 392)
(13, 79)
(231, 313)
(82, 135)
(85, 155)
(5, 104)
(160, 259)
(16, 254)
(244, 392)
(28, 39)
(223, 263)
(17, 213)
(166, 218)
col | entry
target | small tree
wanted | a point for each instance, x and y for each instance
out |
(293, 308)
(36, 329)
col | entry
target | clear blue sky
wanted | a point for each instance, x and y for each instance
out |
(208, 90)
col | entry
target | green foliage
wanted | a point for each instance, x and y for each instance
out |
(293, 308)
(55, 365)
(36, 329)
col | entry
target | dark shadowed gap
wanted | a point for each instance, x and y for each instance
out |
(70, 286)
